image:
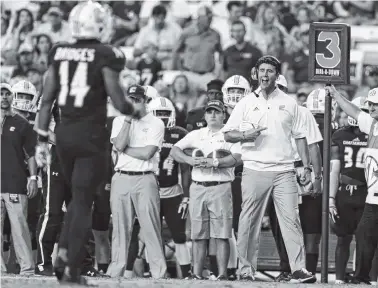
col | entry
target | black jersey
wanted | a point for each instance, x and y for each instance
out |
(352, 148)
(81, 94)
(169, 168)
(149, 72)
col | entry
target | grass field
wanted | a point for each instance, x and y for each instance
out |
(16, 281)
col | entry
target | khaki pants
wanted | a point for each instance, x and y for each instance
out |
(131, 196)
(17, 213)
(257, 186)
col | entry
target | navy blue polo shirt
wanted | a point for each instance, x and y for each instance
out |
(18, 142)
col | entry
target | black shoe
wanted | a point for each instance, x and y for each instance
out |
(90, 271)
(147, 274)
(360, 281)
(194, 277)
(302, 276)
(246, 277)
(59, 267)
(44, 270)
(283, 277)
(232, 277)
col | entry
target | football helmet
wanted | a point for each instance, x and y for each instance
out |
(151, 92)
(360, 103)
(316, 102)
(236, 81)
(25, 96)
(163, 108)
(87, 20)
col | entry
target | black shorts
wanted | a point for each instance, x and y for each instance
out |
(350, 203)
(310, 213)
(176, 225)
(236, 201)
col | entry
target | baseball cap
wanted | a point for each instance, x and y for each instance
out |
(6, 86)
(373, 71)
(55, 11)
(215, 84)
(25, 47)
(215, 104)
(136, 91)
(281, 80)
(372, 96)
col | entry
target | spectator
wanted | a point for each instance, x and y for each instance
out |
(55, 27)
(17, 147)
(295, 65)
(183, 94)
(270, 33)
(199, 43)
(35, 77)
(42, 48)
(240, 58)
(25, 60)
(304, 19)
(223, 25)
(162, 88)
(6, 40)
(370, 81)
(23, 28)
(126, 17)
(149, 66)
(163, 33)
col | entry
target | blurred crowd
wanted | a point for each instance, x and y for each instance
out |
(178, 46)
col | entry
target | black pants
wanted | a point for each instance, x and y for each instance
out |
(367, 240)
(55, 193)
(81, 153)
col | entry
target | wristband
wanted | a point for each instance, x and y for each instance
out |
(34, 177)
(185, 200)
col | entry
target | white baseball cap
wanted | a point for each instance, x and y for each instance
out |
(281, 80)
(372, 96)
(6, 86)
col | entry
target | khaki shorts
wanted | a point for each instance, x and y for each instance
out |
(211, 211)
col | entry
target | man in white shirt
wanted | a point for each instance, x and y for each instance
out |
(210, 205)
(265, 126)
(134, 187)
(367, 229)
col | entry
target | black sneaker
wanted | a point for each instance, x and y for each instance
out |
(232, 277)
(194, 277)
(283, 277)
(246, 277)
(302, 276)
(90, 271)
(44, 270)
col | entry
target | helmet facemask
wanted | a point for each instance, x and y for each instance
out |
(167, 116)
(233, 96)
(24, 102)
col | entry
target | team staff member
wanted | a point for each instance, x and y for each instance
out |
(270, 118)
(174, 198)
(348, 188)
(367, 229)
(195, 119)
(17, 146)
(134, 187)
(210, 206)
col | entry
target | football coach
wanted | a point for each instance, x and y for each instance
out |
(265, 122)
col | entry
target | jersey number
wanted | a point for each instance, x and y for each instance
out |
(146, 77)
(333, 47)
(168, 165)
(79, 86)
(348, 158)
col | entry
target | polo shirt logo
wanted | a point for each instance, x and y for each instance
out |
(256, 109)
(12, 128)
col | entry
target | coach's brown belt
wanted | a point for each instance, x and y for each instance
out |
(298, 164)
(134, 173)
(211, 183)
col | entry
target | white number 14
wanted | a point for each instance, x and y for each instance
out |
(78, 88)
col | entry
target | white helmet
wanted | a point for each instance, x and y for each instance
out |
(236, 81)
(25, 96)
(163, 108)
(151, 92)
(360, 102)
(87, 20)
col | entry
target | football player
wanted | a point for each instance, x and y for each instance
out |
(79, 78)
(348, 188)
(235, 88)
(174, 197)
(25, 103)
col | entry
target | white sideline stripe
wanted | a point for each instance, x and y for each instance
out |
(45, 217)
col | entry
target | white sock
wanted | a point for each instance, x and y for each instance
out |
(182, 254)
(233, 260)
